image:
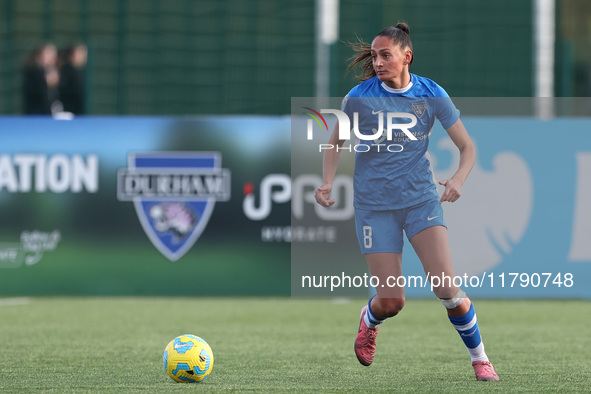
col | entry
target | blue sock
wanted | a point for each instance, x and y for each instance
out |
(370, 319)
(467, 327)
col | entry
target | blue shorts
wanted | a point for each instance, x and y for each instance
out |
(381, 231)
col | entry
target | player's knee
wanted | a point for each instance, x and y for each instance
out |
(391, 306)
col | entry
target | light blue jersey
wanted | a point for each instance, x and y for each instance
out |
(396, 173)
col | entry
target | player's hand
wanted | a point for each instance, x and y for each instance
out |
(322, 194)
(453, 190)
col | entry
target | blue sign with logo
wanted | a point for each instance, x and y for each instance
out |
(174, 194)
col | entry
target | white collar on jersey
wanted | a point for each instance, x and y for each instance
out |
(402, 90)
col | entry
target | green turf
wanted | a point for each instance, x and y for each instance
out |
(116, 344)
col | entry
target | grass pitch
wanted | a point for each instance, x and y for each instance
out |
(280, 344)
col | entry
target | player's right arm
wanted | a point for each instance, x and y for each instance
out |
(330, 162)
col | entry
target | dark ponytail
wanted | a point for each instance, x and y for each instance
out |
(404, 27)
(400, 34)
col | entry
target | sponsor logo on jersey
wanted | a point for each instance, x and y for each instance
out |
(419, 108)
(174, 194)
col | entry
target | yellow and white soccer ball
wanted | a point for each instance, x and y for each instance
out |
(188, 359)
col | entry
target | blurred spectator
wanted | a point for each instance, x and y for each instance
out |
(71, 78)
(40, 81)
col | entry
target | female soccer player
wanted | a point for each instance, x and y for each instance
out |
(395, 190)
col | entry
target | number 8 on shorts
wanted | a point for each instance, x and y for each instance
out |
(367, 234)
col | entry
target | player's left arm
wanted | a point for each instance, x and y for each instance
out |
(453, 186)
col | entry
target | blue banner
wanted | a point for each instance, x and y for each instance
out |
(203, 206)
(140, 205)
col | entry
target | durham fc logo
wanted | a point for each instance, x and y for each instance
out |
(174, 194)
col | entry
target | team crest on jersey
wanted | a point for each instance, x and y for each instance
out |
(419, 108)
(174, 194)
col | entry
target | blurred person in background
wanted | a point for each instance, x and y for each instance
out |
(71, 78)
(40, 81)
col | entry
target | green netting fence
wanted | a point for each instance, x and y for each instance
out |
(178, 57)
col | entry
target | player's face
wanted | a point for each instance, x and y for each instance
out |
(389, 60)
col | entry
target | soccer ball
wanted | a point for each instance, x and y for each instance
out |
(188, 359)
